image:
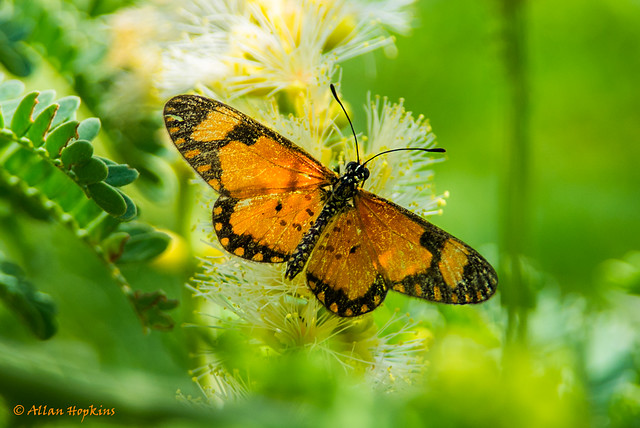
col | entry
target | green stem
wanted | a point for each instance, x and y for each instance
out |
(189, 305)
(516, 203)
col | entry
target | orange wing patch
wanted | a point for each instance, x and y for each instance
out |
(217, 125)
(266, 228)
(394, 238)
(454, 256)
(264, 167)
(420, 259)
(341, 271)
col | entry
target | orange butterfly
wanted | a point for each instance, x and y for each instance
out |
(278, 204)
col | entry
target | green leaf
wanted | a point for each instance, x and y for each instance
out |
(136, 228)
(92, 171)
(8, 108)
(45, 99)
(121, 175)
(1, 118)
(114, 245)
(21, 120)
(109, 162)
(11, 89)
(150, 308)
(132, 210)
(59, 137)
(41, 125)
(67, 110)
(144, 247)
(107, 198)
(89, 128)
(12, 55)
(78, 153)
(36, 309)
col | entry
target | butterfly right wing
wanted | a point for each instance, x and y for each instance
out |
(376, 245)
(271, 190)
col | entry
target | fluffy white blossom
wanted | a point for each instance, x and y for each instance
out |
(266, 46)
(405, 176)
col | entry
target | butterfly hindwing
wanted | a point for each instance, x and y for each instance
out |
(266, 228)
(271, 190)
(419, 259)
(342, 272)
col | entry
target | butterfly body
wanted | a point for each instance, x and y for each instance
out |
(278, 204)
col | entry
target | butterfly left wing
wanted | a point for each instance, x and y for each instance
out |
(271, 190)
(419, 259)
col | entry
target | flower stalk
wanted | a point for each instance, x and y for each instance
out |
(516, 203)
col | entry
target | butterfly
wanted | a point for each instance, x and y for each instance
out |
(278, 204)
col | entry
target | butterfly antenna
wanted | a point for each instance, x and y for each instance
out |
(335, 95)
(435, 150)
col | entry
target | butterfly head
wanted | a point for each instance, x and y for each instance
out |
(358, 172)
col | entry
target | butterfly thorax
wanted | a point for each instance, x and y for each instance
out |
(340, 196)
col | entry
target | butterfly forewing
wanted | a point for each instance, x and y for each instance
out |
(236, 155)
(419, 259)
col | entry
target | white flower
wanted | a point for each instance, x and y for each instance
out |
(269, 46)
(399, 355)
(281, 316)
(190, 62)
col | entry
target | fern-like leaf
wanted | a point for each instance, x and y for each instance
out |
(46, 156)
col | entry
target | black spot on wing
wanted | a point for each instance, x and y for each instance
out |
(433, 239)
(479, 278)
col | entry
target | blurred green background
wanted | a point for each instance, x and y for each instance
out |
(573, 359)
